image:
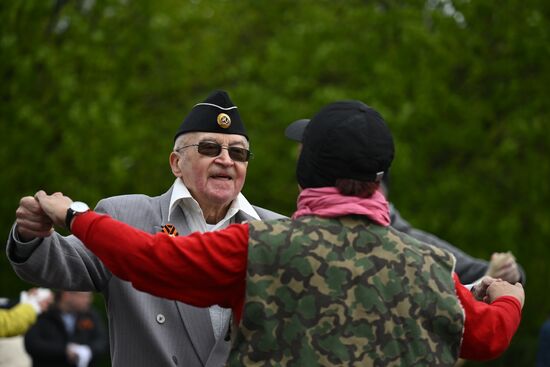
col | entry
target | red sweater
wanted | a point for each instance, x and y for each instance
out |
(210, 268)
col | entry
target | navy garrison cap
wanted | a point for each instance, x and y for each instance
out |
(216, 114)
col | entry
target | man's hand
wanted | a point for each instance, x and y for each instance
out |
(508, 271)
(70, 351)
(480, 289)
(79, 354)
(31, 221)
(503, 265)
(55, 206)
(501, 288)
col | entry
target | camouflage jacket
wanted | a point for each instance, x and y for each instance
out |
(345, 291)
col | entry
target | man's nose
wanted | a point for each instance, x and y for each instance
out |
(224, 158)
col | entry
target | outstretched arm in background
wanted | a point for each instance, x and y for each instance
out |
(17, 320)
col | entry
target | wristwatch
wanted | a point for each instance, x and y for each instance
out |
(76, 208)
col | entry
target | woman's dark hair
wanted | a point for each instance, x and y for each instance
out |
(350, 187)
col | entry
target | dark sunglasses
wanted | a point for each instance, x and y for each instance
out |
(211, 149)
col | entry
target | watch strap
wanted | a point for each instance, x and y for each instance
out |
(69, 217)
(76, 208)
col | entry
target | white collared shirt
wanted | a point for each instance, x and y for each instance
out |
(196, 222)
(193, 212)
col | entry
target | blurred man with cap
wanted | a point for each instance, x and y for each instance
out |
(209, 159)
(336, 285)
(469, 269)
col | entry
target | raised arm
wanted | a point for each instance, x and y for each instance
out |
(41, 256)
(199, 269)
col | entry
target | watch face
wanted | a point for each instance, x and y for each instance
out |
(79, 207)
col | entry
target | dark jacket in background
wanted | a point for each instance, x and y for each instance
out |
(468, 268)
(46, 341)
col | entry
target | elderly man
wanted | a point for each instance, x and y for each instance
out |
(334, 286)
(209, 160)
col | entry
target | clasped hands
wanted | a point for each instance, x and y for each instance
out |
(38, 214)
(489, 289)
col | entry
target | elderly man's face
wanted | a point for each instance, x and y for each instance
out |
(213, 181)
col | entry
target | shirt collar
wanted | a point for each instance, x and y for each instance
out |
(181, 193)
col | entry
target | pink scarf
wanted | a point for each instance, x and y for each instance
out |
(327, 202)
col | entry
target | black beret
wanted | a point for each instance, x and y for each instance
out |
(346, 139)
(216, 114)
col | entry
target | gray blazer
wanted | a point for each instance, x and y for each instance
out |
(143, 330)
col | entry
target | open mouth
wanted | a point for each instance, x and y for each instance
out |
(221, 177)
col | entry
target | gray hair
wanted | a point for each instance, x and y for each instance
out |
(182, 141)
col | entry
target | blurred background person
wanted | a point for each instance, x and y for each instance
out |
(15, 319)
(69, 334)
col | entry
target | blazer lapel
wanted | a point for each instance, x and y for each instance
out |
(196, 320)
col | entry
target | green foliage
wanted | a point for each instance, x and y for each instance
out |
(92, 93)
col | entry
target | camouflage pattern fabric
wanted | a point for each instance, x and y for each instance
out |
(344, 291)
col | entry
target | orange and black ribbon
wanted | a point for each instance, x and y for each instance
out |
(170, 230)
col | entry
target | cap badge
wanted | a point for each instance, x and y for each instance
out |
(224, 120)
